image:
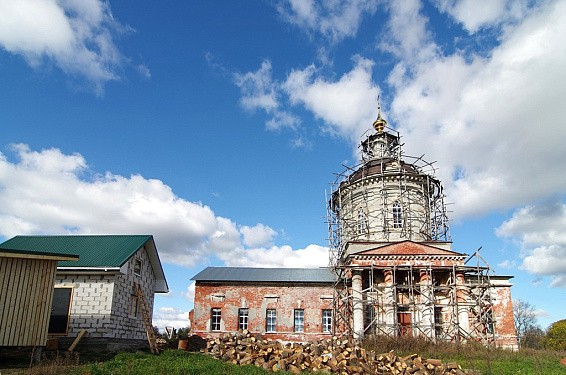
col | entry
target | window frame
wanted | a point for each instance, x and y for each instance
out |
(299, 320)
(138, 264)
(327, 320)
(270, 320)
(397, 215)
(361, 223)
(215, 319)
(243, 318)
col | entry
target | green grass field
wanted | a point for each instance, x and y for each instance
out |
(497, 362)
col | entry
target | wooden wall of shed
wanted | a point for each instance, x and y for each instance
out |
(26, 293)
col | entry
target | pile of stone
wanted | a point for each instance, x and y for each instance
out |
(329, 356)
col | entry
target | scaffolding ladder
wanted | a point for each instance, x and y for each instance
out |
(151, 339)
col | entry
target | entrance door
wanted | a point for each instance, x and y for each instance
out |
(405, 328)
(59, 319)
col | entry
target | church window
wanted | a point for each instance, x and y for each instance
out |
(361, 225)
(397, 215)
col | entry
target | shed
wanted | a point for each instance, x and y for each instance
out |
(98, 291)
(26, 291)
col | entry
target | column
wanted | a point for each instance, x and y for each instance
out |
(462, 300)
(426, 305)
(390, 301)
(357, 305)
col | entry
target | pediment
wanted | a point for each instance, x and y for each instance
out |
(405, 248)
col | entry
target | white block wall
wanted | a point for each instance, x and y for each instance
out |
(101, 303)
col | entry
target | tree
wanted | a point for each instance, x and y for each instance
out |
(533, 338)
(556, 335)
(525, 318)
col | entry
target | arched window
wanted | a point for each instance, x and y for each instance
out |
(361, 225)
(397, 215)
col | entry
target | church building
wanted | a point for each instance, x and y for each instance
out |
(392, 270)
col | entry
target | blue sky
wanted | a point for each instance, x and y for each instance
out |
(217, 126)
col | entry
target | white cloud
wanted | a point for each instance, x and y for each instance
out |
(76, 35)
(258, 89)
(549, 261)
(334, 20)
(540, 231)
(347, 106)
(507, 264)
(407, 36)
(279, 256)
(259, 235)
(46, 192)
(170, 316)
(492, 122)
(261, 92)
(490, 13)
(190, 293)
(543, 224)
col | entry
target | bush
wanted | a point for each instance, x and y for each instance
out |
(556, 335)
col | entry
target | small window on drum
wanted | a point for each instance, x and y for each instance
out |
(397, 215)
(361, 223)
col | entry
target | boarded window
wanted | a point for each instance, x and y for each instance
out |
(60, 311)
(134, 306)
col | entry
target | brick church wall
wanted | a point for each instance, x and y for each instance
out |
(257, 298)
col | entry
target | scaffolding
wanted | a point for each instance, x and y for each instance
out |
(391, 197)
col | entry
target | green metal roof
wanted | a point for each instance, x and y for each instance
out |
(93, 251)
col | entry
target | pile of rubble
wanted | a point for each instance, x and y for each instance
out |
(330, 356)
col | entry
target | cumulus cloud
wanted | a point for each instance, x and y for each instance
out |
(491, 121)
(407, 36)
(311, 256)
(260, 92)
(49, 192)
(259, 235)
(488, 118)
(347, 105)
(75, 35)
(334, 20)
(490, 14)
(540, 231)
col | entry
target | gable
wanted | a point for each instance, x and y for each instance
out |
(93, 251)
(408, 248)
(96, 252)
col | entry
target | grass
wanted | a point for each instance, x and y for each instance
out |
(487, 361)
(174, 362)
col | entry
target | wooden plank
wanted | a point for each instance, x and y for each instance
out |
(77, 339)
(12, 301)
(35, 293)
(39, 256)
(5, 276)
(25, 306)
(21, 309)
(44, 299)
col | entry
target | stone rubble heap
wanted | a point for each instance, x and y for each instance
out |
(327, 356)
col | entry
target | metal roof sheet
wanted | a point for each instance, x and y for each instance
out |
(243, 274)
(93, 251)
